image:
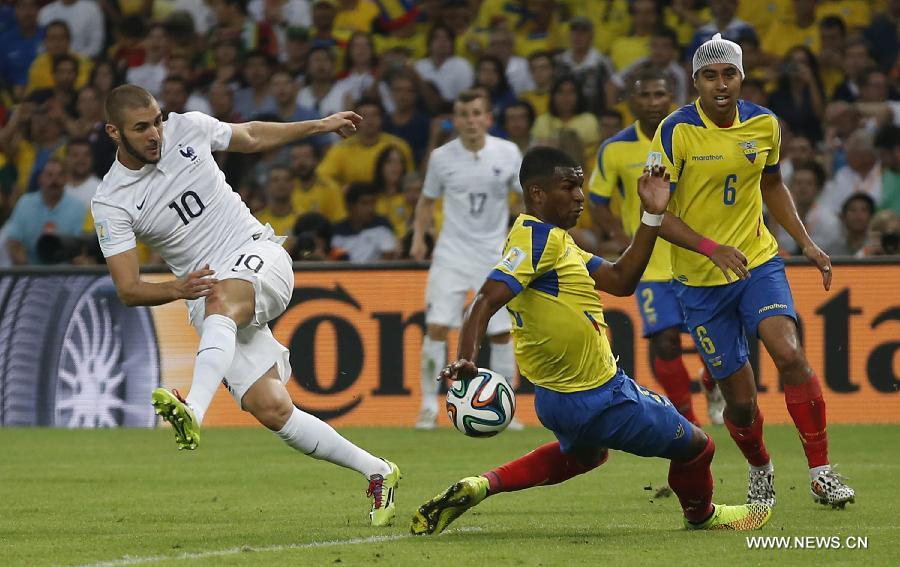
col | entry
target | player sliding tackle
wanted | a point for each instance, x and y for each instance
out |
(549, 285)
(233, 271)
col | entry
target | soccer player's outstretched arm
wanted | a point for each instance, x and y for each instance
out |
(490, 298)
(133, 291)
(253, 137)
(621, 277)
(779, 202)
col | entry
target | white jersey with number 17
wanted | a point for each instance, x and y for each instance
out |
(181, 206)
(475, 187)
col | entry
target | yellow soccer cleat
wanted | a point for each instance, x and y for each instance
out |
(745, 517)
(171, 407)
(435, 515)
(381, 490)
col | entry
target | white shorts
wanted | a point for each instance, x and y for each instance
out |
(266, 265)
(445, 296)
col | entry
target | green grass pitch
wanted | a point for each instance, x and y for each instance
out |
(127, 497)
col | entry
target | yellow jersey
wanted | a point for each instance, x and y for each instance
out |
(715, 174)
(557, 318)
(283, 225)
(322, 196)
(349, 161)
(620, 163)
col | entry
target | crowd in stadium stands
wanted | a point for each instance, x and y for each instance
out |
(556, 72)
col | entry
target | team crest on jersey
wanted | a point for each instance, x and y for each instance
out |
(497, 171)
(188, 152)
(514, 257)
(749, 147)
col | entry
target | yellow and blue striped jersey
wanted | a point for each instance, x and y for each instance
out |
(620, 163)
(715, 175)
(557, 318)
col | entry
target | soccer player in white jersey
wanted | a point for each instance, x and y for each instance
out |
(233, 271)
(474, 174)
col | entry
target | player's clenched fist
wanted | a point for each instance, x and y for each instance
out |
(462, 369)
(196, 284)
(653, 189)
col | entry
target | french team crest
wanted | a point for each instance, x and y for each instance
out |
(749, 147)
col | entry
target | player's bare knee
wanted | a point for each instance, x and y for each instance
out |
(791, 362)
(438, 332)
(273, 413)
(741, 412)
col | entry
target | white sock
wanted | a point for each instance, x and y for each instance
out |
(503, 360)
(315, 438)
(765, 468)
(434, 356)
(814, 472)
(218, 338)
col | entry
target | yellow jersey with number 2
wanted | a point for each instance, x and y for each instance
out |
(620, 163)
(715, 174)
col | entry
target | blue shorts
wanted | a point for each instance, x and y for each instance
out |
(618, 415)
(659, 307)
(718, 315)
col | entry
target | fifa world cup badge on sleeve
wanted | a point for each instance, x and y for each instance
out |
(513, 258)
(654, 158)
(102, 231)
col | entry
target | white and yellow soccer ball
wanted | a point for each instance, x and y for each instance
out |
(482, 406)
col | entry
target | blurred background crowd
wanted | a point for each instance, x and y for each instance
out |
(556, 72)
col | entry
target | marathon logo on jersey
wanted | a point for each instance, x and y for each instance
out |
(709, 157)
(654, 159)
(188, 152)
(749, 147)
(513, 259)
(103, 235)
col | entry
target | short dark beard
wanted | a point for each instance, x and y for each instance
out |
(134, 153)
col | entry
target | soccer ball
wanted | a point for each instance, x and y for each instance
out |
(482, 406)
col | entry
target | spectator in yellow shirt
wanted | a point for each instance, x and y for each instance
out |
(355, 15)
(542, 68)
(801, 29)
(391, 202)
(311, 193)
(353, 159)
(567, 124)
(57, 41)
(279, 212)
(628, 49)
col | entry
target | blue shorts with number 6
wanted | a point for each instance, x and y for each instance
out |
(659, 307)
(717, 316)
(619, 414)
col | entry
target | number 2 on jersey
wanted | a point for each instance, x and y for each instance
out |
(730, 190)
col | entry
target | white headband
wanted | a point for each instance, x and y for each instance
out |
(718, 50)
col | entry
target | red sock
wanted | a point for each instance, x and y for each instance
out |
(692, 482)
(544, 466)
(674, 379)
(750, 440)
(708, 381)
(807, 408)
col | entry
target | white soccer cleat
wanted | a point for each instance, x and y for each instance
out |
(715, 406)
(427, 419)
(828, 488)
(761, 487)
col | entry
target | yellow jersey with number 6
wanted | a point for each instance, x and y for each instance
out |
(715, 174)
(557, 318)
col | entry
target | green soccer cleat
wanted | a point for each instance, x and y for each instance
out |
(381, 490)
(745, 517)
(171, 407)
(435, 515)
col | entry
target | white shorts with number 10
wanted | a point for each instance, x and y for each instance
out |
(267, 266)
